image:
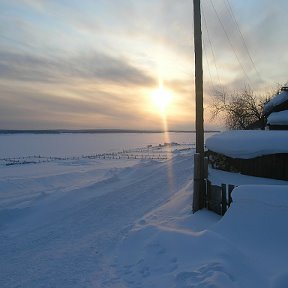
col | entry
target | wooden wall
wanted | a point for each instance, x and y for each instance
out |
(273, 166)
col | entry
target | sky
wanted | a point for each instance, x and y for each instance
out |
(88, 64)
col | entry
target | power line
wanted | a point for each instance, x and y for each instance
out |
(208, 65)
(230, 42)
(211, 46)
(228, 5)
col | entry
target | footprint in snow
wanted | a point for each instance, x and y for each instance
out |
(211, 275)
(142, 222)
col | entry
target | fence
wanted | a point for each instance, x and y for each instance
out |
(159, 152)
(218, 198)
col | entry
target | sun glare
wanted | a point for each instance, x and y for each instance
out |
(161, 98)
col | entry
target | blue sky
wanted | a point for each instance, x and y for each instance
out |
(95, 64)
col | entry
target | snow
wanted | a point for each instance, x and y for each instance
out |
(218, 177)
(277, 100)
(278, 118)
(256, 224)
(19, 145)
(128, 223)
(245, 144)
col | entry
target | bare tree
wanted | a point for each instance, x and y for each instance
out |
(241, 110)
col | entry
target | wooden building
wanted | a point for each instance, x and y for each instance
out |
(258, 153)
(276, 111)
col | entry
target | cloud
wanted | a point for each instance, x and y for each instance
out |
(87, 91)
(94, 66)
(93, 57)
(262, 24)
(36, 106)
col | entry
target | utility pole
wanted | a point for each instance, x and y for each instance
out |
(199, 183)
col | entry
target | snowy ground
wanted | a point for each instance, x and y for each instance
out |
(128, 223)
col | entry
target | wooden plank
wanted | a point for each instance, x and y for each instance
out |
(224, 199)
(214, 199)
(206, 161)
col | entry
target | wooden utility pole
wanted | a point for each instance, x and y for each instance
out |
(199, 184)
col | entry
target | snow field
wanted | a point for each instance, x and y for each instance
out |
(63, 239)
(128, 223)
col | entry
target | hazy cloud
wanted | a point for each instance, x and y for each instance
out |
(95, 66)
(28, 104)
(74, 58)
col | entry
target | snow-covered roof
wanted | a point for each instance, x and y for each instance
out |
(277, 100)
(246, 144)
(278, 118)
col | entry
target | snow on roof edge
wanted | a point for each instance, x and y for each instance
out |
(276, 100)
(278, 118)
(247, 144)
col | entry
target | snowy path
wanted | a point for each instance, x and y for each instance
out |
(63, 239)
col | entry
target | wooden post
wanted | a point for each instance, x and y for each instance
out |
(230, 189)
(206, 161)
(208, 193)
(224, 199)
(199, 185)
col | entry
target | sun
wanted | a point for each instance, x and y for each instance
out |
(161, 98)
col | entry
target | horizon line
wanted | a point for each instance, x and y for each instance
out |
(94, 131)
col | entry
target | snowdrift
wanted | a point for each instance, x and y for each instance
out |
(256, 224)
(246, 248)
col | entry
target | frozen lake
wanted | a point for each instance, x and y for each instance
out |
(23, 145)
